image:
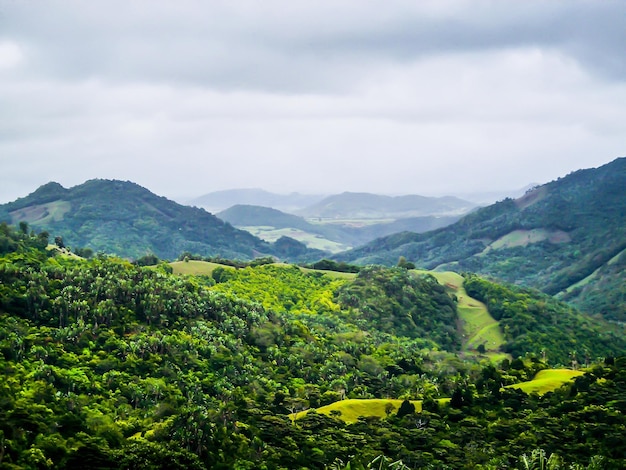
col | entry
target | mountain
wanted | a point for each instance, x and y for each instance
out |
(267, 223)
(560, 237)
(220, 200)
(126, 219)
(373, 206)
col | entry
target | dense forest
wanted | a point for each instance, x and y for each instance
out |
(125, 219)
(109, 364)
(567, 237)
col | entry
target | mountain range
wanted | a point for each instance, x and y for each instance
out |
(220, 200)
(566, 238)
(269, 223)
(375, 206)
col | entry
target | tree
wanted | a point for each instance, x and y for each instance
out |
(406, 408)
(58, 241)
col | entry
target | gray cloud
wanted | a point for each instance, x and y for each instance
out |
(424, 97)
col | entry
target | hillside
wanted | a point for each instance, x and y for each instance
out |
(125, 219)
(553, 238)
(115, 366)
(373, 206)
(270, 224)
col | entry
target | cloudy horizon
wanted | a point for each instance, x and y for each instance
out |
(187, 98)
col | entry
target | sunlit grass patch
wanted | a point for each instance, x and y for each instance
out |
(548, 380)
(479, 327)
(352, 409)
(196, 268)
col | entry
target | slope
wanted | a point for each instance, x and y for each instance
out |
(551, 238)
(125, 219)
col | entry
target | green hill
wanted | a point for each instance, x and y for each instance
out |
(107, 364)
(554, 237)
(125, 219)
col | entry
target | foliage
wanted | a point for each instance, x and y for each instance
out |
(586, 213)
(396, 301)
(106, 364)
(538, 324)
(122, 218)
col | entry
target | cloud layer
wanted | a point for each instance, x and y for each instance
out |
(402, 97)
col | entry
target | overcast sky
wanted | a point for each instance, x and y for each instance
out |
(423, 97)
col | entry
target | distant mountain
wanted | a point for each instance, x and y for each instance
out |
(373, 206)
(220, 200)
(252, 215)
(256, 216)
(126, 219)
(485, 198)
(560, 237)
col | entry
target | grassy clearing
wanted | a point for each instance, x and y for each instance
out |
(479, 327)
(333, 274)
(311, 240)
(41, 214)
(527, 237)
(548, 380)
(353, 222)
(583, 282)
(352, 409)
(196, 268)
(62, 251)
(205, 268)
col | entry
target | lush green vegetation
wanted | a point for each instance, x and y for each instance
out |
(479, 328)
(122, 218)
(108, 364)
(397, 302)
(542, 325)
(552, 238)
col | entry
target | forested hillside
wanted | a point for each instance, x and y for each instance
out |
(107, 364)
(561, 237)
(122, 218)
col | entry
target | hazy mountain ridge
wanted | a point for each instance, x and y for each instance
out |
(218, 201)
(256, 216)
(551, 238)
(126, 219)
(366, 205)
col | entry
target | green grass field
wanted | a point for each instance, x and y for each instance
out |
(205, 268)
(479, 327)
(548, 380)
(311, 240)
(196, 268)
(45, 213)
(527, 237)
(352, 409)
(333, 274)
(583, 282)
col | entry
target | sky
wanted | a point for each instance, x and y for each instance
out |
(396, 97)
